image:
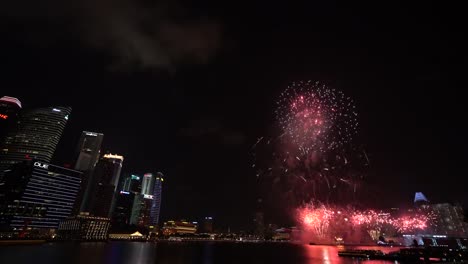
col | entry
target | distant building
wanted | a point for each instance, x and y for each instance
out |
(156, 204)
(123, 210)
(208, 224)
(141, 210)
(178, 228)
(84, 228)
(420, 200)
(130, 183)
(450, 220)
(37, 195)
(87, 155)
(35, 136)
(88, 150)
(9, 109)
(152, 190)
(104, 183)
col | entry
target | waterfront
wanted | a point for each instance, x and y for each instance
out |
(176, 252)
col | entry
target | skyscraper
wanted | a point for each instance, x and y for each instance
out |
(35, 136)
(156, 204)
(104, 183)
(88, 150)
(129, 188)
(147, 205)
(37, 195)
(9, 108)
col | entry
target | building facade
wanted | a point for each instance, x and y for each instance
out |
(37, 195)
(9, 109)
(84, 228)
(88, 150)
(104, 184)
(450, 220)
(35, 136)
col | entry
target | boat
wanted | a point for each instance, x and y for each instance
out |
(361, 253)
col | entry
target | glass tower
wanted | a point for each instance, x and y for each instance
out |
(88, 150)
(35, 136)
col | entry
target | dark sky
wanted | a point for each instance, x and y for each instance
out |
(186, 89)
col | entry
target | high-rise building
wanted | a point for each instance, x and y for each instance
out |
(156, 203)
(130, 183)
(129, 188)
(123, 210)
(87, 155)
(152, 189)
(35, 136)
(88, 150)
(9, 108)
(104, 185)
(141, 210)
(37, 195)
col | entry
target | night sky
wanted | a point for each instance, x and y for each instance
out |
(186, 89)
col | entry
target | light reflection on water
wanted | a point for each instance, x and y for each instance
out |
(329, 254)
(178, 253)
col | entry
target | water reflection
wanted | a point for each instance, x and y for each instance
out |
(329, 254)
(178, 253)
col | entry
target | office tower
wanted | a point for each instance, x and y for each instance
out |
(123, 210)
(35, 136)
(141, 210)
(130, 183)
(9, 108)
(105, 179)
(88, 150)
(37, 195)
(147, 184)
(156, 203)
(152, 189)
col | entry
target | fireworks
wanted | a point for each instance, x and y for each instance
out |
(309, 157)
(316, 219)
(328, 221)
(316, 117)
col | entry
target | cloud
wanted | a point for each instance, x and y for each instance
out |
(136, 33)
(212, 130)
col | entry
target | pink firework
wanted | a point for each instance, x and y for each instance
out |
(315, 219)
(316, 117)
(411, 223)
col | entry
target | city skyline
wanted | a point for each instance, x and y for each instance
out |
(196, 121)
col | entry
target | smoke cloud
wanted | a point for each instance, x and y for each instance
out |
(136, 33)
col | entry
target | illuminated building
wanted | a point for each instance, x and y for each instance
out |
(152, 190)
(87, 155)
(9, 108)
(103, 185)
(450, 220)
(156, 204)
(130, 183)
(37, 195)
(123, 210)
(128, 189)
(88, 150)
(208, 224)
(141, 210)
(84, 228)
(35, 136)
(178, 228)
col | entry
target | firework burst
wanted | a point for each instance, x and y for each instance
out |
(316, 117)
